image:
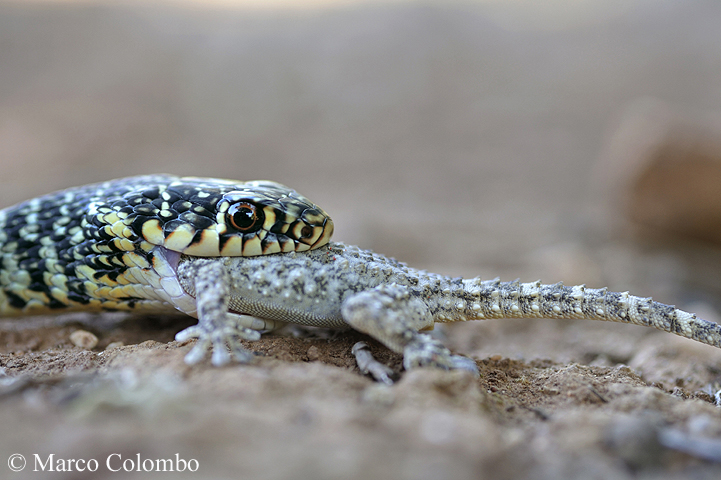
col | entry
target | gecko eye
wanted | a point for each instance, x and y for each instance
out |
(246, 217)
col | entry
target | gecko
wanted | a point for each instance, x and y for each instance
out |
(247, 258)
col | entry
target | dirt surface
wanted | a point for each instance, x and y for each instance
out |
(466, 140)
(302, 410)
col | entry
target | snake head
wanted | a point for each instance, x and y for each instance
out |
(208, 217)
(266, 217)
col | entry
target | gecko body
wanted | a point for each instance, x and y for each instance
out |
(339, 285)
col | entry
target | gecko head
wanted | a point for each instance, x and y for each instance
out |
(208, 217)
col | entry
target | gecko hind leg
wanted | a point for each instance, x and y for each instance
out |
(216, 326)
(392, 316)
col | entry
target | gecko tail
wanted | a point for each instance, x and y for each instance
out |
(496, 299)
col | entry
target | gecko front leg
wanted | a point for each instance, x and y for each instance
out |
(216, 326)
(392, 316)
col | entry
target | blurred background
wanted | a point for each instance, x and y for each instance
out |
(470, 137)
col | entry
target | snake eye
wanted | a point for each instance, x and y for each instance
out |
(246, 217)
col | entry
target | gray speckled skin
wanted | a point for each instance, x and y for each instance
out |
(343, 286)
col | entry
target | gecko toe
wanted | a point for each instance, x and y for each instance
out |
(198, 352)
(369, 365)
(464, 363)
(188, 334)
(431, 353)
(220, 356)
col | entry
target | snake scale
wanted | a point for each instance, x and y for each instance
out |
(247, 257)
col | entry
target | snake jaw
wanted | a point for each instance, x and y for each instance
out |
(166, 283)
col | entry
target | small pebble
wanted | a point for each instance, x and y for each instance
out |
(114, 345)
(313, 353)
(83, 339)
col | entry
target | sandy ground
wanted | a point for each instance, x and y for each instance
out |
(467, 140)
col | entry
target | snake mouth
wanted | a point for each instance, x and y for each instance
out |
(327, 233)
(163, 256)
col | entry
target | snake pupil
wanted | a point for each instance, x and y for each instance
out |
(245, 217)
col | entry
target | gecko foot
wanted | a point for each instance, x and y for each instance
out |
(431, 353)
(369, 365)
(217, 340)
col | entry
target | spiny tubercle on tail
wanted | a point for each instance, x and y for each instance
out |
(496, 299)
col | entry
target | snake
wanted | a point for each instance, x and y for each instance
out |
(114, 245)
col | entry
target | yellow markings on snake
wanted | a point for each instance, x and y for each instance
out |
(287, 246)
(252, 247)
(37, 304)
(153, 232)
(221, 228)
(272, 247)
(90, 287)
(208, 246)
(180, 238)
(146, 246)
(59, 294)
(33, 295)
(117, 228)
(124, 244)
(20, 276)
(102, 291)
(105, 260)
(269, 218)
(111, 217)
(105, 280)
(233, 246)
